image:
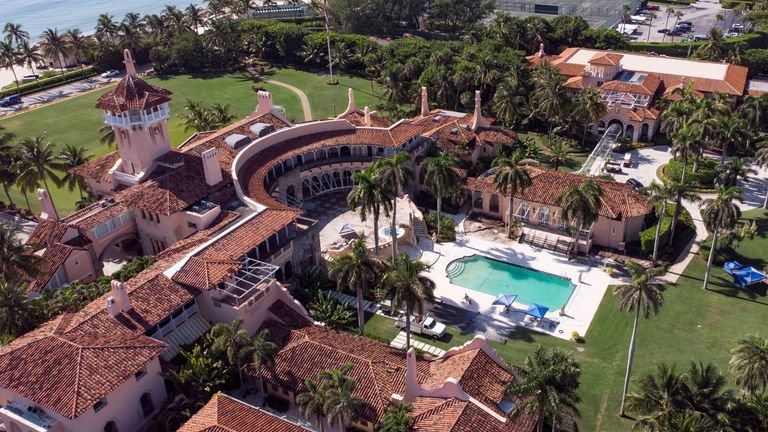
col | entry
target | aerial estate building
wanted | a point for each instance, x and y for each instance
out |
(632, 84)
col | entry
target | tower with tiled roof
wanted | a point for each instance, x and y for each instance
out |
(138, 113)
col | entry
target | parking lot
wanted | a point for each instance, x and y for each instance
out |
(701, 14)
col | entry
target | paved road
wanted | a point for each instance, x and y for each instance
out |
(58, 93)
(702, 14)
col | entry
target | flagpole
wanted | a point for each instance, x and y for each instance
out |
(328, 39)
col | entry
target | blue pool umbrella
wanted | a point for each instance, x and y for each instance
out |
(537, 310)
(505, 299)
(731, 266)
(747, 276)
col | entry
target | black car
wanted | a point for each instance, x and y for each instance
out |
(665, 31)
(10, 100)
(634, 183)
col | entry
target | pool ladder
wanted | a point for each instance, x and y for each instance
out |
(454, 269)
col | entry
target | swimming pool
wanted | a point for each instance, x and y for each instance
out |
(496, 277)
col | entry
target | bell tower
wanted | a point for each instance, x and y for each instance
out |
(138, 113)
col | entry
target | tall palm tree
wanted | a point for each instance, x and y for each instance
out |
(397, 176)
(40, 163)
(107, 26)
(340, 404)
(638, 295)
(30, 56)
(9, 57)
(678, 14)
(558, 150)
(14, 34)
(135, 21)
(358, 272)
(580, 204)
(547, 386)
(662, 399)
(130, 37)
(396, 419)
(719, 213)
(651, 16)
(510, 179)
(311, 401)
(16, 259)
(16, 309)
(730, 132)
(661, 195)
(549, 97)
(442, 179)
(229, 339)
(406, 287)
(709, 396)
(258, 351)
(669, 11)
(683, 190)
(736, 169)
(77, 42)
(714, 47)
(194, 16)
(55, 45)
(749, 364)
(761, 160)
(589, 108)
(508, 101)
(8, 174)
(752, 110)
(72, 156)
(371, 196)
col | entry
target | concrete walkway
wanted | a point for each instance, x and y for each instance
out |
(399, 343)
(368, 306)
(302, 97)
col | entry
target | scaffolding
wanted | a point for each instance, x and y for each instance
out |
(247, 280)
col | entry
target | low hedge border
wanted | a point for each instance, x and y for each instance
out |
(666, 180)
(680, 49)
(49, 83)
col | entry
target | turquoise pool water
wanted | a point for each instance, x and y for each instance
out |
(496, 277)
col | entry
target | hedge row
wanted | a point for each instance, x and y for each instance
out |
(648, 236)
(45, 84)
(680, 49)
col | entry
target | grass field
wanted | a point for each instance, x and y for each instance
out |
(693, 325)
(76, 120)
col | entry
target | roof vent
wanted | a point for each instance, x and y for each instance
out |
(110, 200)
(436, 119)
(454, 131)
(236, 141)
(261, 129)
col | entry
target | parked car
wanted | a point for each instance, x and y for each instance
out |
(664, 30)
(653, 7)
(688, 23)
(10, 100)
(634, 183)
(425, 325)
(110, 73)
(700, 38)
(29, 78)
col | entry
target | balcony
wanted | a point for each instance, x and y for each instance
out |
(29, 416)
(251, 279)
(136, 118)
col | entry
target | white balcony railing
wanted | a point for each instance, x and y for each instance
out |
(135, 118)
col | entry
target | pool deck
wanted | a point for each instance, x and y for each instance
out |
(579, 310)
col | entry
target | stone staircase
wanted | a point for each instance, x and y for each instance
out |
(542, 240)
(420, 228)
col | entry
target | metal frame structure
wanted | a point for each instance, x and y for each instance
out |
(252, 274)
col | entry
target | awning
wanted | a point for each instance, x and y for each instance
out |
(730, 266)
(747, 276)
(504, 299)
(184, 334)
(345, 229)
(537, 310)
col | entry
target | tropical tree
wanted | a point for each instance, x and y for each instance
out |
(761, 160)
(72, 156)
(549, 97)
(9, 57)
(651, 16)
(558, 151)
(77, 42)
(358, 272)
(340, 405)
(194, 16)
(396, 419)
(14, 34)
(662, 399)
(8, 174)
(107, 26)
(683, 190)
(397, 176)
(331, 312)
(589, 108)
(639, 295)
(749, 364)
(202, 374)
(229, 339)
(16, 259)
(661, 195)
(39, 162)
(736, 169)
(55, 45)
(258, 351)
(709, 396)
(546, 385)
(669, 11)
(30, 56)
(16, 309)
(509, 101)
(719, 213)
(714, 47)
(510, 179)
(580, 204)
(752, 110)
(678, 14)
(311, 401)
(371, 196)
(407, 288)
(442, 179)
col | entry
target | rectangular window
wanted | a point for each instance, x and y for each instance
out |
(191, 225)
(141, 373)
(100, 404)
(613, 230)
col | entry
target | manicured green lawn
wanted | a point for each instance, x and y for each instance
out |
(693, 325)
(575, 159)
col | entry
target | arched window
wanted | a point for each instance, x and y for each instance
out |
(299, 160)
(477, 200)
(644, 132)
(291, 192)
(345, 151)
(494, 207)
(111, 426)
(147, 406)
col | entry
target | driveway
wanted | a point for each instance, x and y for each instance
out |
(51, 95)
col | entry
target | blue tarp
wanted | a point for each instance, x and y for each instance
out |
(747, 276)
(730, 266)
(504, 299)
(537, 310)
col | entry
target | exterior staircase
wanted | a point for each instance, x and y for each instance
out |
(420, 228)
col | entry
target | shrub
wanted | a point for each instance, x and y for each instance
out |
(47, 83)
(648, 236)
(704, 176)
(447, 226)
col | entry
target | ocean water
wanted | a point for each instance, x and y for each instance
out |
(37, 15)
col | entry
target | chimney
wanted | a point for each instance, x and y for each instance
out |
(120, 296)
(412, 387)
(211, 166)
(541, 50)
(130, 65)
(367, 116)
(47, 209)
(112, 307)
(478, 121)
(351, 104)
(424, 102)
(265, 103)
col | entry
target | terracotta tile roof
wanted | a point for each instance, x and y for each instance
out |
(454, 415)
(282, 311)
(68, 372)
(649, 86)
(97, 169)
(606, 58)
(133, 93)
(47, 232)
(98, 215)
(225, 414)
(619, 200)
(379, 370)
(575, 82)
(357, 118)
(53, 257)
(640, 114)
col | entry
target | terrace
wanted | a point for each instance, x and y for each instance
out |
(29, 416)
(246, 284)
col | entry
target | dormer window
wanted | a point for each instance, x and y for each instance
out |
(100, 404)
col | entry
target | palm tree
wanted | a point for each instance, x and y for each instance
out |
(219, 115)
(546, 385)
(77, 41)
(16, 309)
(669, 11)
(8, 174)
(558, 151)
(510, 179)
(714, 47)
(736, 169)
(135, 21)
(709, 396)
(72, 156)
(339, 402)
(9, 57)
(406, 287)
(14, 34)
(682, 191)
(662, 399)
(589, 108)
(508, 101)
(749, 364)
(678, 15)
(106, 26)
(311, 401)
(371, 196)
(394, 173)
(442, 179)
(229, 339)
(761, 160)
(174, 19)
(194, 117)
(30, 55)
(39, 162)
(661, 195)
(580, 204)
(651, 16)
(107, 135)
(55, 45)
(396, 419)
(16, 259)
(358, 272)
(719, 213)
(730, 132)
(194, 16)
(130, 37)
(752, 109)
(638, 295)
(258, 351)
(549, 97)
